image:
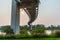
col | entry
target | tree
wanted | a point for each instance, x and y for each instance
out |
(7, 29)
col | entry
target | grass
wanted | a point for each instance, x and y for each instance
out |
(34, 39)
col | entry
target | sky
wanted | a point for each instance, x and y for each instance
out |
(49, 13)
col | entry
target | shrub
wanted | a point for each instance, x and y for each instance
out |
(39, 33)
(23, 34)
(6, 36)
(52, 35)
(38, 30)
(7, 29)
(57, 33)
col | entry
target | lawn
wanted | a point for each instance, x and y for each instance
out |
(34, 39)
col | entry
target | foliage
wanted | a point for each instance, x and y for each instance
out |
(23, 34)
(57, 33)
(52, 27)
(37, 31)
(7, 29)
(52, 35)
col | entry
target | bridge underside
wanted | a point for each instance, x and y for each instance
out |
(30, 7)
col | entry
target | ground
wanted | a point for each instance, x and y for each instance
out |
(34, 39)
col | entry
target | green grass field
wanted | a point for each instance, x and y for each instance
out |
(34, 39)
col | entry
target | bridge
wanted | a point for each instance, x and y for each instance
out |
(31, 9)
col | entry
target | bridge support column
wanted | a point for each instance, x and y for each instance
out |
(15, 18)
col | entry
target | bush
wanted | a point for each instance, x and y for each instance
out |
(52, 35)
(38, 30)
(7, 29)
(6, 36)
(23, 34)
(39, 33)
(57, 33)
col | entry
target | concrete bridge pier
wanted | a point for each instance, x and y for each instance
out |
(15, 18)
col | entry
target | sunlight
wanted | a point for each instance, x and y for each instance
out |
(23, 17)
(22, 11)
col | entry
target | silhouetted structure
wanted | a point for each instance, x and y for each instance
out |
(30, 7)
